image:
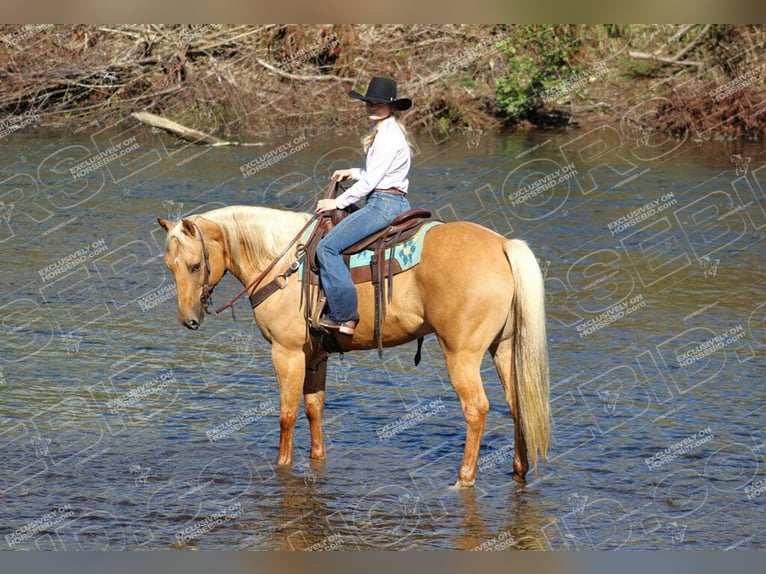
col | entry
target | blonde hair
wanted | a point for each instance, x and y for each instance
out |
(369, 137)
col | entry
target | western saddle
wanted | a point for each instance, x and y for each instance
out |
(381, 270)
(383, 266)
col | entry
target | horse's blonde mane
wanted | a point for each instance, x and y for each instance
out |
(251, 233)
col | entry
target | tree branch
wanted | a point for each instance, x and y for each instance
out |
(676, 59)
(664, 60)
(290, 76)
(677, 36)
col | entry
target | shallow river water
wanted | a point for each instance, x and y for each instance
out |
(120, 429)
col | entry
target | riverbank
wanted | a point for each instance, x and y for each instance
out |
(245, 82)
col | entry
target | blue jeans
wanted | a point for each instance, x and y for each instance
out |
(379, 211)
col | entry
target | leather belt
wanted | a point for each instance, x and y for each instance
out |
(393, 190)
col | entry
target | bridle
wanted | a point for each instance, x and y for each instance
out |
(207, 289)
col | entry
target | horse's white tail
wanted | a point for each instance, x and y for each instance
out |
(530, 349)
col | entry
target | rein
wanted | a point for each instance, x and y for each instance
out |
(254, 283)
(269, 267)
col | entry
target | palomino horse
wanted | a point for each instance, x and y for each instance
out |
(474, 289)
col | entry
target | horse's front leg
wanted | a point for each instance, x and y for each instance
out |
(313, 397)
(290, 365)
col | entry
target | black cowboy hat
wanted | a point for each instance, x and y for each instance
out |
(382, 91)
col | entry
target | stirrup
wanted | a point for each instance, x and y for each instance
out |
(345, 328)
(316, 312)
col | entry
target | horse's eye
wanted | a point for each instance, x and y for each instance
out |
(195, 268)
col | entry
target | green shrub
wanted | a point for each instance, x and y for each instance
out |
(538, 58)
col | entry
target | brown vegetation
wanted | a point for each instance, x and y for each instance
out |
(240, 82)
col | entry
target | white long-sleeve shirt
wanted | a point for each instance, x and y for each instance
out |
(387, 165)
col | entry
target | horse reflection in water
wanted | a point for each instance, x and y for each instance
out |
(393, 517)
(477, 291)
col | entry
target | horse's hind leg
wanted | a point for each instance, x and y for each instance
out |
(502, 355)
(313, 398)
(464, 368)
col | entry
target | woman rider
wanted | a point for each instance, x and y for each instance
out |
(383, 182)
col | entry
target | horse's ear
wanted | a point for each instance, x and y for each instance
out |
(166, 224)
(188, 227)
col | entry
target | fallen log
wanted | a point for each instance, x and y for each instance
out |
(180, 131)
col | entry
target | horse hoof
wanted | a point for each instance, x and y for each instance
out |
(519, 479)
(462, 484)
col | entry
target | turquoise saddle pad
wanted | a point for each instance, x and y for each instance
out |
(406, 253)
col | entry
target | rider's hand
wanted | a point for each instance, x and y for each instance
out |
(342, 174)
(325, 205)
